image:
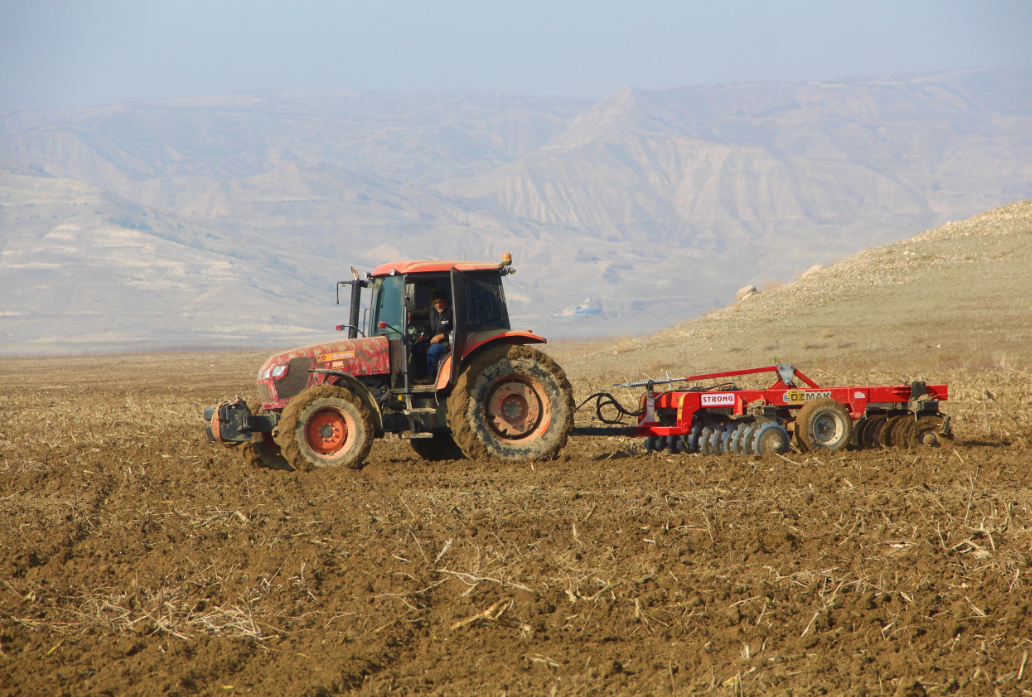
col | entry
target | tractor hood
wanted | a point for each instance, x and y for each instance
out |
(284, 375)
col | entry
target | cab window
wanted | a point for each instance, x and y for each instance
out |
(486, 307)
(388, 306)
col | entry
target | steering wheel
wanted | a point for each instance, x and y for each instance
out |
(418, 334)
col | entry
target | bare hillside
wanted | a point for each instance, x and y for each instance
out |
(953, 297)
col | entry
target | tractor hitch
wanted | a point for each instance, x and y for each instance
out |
(231, 423)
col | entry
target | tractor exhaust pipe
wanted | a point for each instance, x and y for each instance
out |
(356, 302)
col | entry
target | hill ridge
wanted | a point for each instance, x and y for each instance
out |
(956, 294)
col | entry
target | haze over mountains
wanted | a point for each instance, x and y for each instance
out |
(228, 219)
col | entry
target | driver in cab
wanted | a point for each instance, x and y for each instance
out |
(441, 325)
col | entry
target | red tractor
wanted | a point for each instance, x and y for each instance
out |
(491, 396)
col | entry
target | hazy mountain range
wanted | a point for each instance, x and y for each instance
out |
(228, 218)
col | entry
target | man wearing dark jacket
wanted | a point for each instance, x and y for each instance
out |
(441, 326)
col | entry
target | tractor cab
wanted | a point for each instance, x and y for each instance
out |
(400, 308)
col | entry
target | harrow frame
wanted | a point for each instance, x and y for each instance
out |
(673, 414)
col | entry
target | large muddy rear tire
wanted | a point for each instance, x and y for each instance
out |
(824, 424)
(441, 447)
(511, 403)
(326, 426)
(262, 450)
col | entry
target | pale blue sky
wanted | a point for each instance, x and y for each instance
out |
(82, 53)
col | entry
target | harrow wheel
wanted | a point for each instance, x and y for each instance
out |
(770, 438)
(262, 451)
(824, 424)
(928, 433)
(326, 426)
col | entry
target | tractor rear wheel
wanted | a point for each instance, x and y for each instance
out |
(262, 451)
(326, 426)
(511, 403)
(824, 424)
(441, 447)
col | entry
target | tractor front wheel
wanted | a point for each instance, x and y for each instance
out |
(326, 426)
(512, 403)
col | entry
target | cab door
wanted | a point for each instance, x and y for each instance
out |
(460, 315)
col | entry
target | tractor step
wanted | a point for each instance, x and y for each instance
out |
(420, 410)
(409, 436)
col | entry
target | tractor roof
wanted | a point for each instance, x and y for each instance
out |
(403, 267)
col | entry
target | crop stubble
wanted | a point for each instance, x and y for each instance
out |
(139, 559)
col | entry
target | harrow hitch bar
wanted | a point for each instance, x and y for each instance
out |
(786, 373)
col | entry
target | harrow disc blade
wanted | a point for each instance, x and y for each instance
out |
(693, 443)
(747, 439)
(872, 433)
(857, 441)
(725, 441)
(928, 433)
(704, 440)
(904, 432)
(736, 439)
(888, 436)
(715, 440)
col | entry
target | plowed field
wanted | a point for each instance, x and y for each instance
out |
(136, 558)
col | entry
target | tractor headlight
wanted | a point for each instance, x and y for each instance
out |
(276, 372)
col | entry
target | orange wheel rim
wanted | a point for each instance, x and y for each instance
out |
(327, 432)
(515, 409)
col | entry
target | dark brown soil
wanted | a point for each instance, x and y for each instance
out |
(136, 558)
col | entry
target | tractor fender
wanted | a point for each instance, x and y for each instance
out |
(478, 341)
(352, 383)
